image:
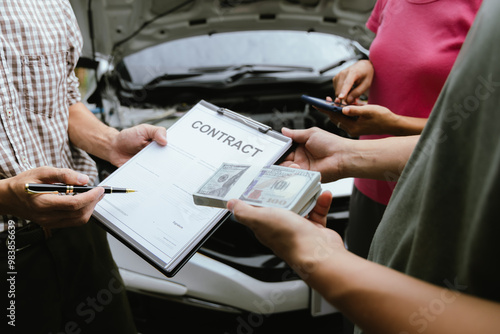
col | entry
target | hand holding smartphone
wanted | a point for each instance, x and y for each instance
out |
(324, 105)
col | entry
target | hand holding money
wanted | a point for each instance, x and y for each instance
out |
(272, 186)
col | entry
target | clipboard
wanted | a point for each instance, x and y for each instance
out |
(160, 222)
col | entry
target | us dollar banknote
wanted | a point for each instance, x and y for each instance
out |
(280, 187)
(223, 180)
(275, 186)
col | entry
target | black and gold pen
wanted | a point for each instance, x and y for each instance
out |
(41, 188)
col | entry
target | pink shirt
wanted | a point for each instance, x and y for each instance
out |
(416, 44)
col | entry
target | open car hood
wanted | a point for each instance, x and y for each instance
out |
(118, 28)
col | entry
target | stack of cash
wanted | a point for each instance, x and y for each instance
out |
(273, 186)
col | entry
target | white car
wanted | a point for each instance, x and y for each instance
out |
(154, 59)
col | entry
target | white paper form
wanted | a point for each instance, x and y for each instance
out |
(161, 217)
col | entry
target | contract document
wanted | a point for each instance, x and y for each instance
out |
(160, 222)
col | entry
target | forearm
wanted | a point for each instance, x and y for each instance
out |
(89, 133)
(386, 301)
(381, 159)
(407, 126)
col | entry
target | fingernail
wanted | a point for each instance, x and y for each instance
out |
(83, 179)
(341, 96)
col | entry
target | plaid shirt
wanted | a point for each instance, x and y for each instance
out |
(40, 43)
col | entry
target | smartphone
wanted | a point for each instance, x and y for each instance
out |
(324, 104)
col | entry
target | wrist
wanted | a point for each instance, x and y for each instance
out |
(89, 133)
(333, 277)
(7, 196)
(368, 66)
(406, 126)
(352, 159)
(106, 143)
(112, 140)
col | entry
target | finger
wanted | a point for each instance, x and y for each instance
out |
(156, 133)
(256, 217)
(333, 116)
(341, 121)
(337, 100)
(160, 136)
(61, 175)
(320, 211)
(358, 91)
(49, 202)
(288, 159)
(347, 85)
(59, 219)
(325, 112)
(287, 132)
(302, 158)
(294, 165)
(64, 218)
(243, 212)
(355, 111)
(287, 163)
(66, 211)
(298, 136)
(338, 83)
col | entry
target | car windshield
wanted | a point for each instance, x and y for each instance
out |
(293, 49)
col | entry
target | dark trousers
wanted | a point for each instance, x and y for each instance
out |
(364, 217)
(68, 284)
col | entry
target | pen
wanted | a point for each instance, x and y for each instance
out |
(40, 188)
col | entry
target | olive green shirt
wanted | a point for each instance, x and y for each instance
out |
(442, 224)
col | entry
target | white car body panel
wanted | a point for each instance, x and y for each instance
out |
(209, 280)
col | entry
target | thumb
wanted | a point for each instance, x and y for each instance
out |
(244, 213)
(298, 136)
(294, 165)
(156, 133)
(62, 175)
(354, 110)
(237, 205)
(258, 217)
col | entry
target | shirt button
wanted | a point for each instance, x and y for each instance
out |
(24, 159)
(9, 113)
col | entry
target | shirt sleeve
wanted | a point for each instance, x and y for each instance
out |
(75, 44)
(376, 17)
(74, 95)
